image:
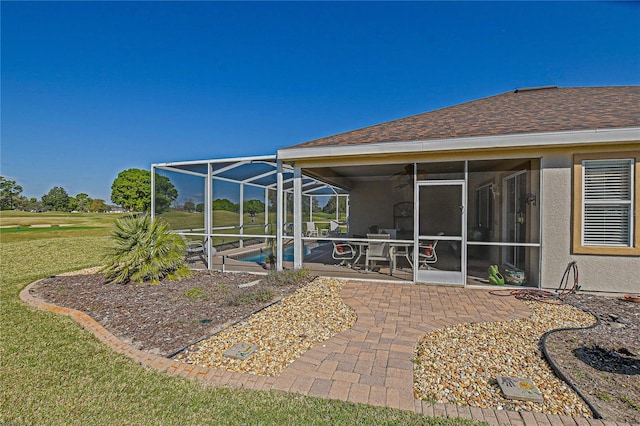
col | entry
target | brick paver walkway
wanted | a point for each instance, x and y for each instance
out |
(371, 362)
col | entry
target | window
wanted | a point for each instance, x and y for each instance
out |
(605, 210)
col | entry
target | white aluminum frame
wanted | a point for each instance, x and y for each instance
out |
(312, 187)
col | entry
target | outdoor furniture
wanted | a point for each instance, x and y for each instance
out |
(427, 253)
(393, 234)
(402, 249)
(344, 252)
(378, 251)
(194, 249)
(312, 231)
(335, 228)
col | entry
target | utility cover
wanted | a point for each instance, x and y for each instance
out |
(518, 388)
(240, 350)
(251, 284)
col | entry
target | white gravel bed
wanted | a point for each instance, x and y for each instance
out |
(459, 364)
(283, 332)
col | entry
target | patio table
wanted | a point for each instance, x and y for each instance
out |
(396, 249)
(401, 249)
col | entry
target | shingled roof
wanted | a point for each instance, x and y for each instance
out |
(533, 110)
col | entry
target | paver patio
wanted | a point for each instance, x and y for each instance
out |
(371, 362)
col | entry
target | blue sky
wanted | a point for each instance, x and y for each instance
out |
(90, 89)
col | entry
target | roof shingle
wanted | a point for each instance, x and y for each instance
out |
(548, 109)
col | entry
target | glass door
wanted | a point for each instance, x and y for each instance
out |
(515, 207)
(441, 246)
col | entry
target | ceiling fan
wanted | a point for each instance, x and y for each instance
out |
(405, 177)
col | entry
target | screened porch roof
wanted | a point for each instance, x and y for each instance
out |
(258, 171)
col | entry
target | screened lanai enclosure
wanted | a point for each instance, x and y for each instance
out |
(441, 222)
(228, 209)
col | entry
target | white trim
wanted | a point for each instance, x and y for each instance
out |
(436, 276)
(581, 137)
(153, 193)
(501, 244)
(217, 161)
(281, 214)
(208, 215)
(176, 170)
(298, 254)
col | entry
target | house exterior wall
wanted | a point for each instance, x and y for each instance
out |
(601, 273)
(597, 272)
(371, 203)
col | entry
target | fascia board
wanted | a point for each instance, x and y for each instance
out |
(473, 143)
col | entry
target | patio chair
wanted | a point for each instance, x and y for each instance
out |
(194, 249)
(378, 251)
(312, 231)
(427, 254)
(344, 252)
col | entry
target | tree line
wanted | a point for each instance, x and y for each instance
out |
(57, 199)
(131, 190)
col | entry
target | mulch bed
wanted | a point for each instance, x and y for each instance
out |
(602, 362)
(165, 318)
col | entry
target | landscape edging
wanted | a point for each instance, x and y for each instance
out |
(233, 379)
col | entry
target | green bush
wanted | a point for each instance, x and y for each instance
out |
(259, 295)
(288, 277)
(196, 294)
(144, 250)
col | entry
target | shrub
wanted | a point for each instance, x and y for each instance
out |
(289, 277)
(259, 295)
(196, 294)
(144, 250)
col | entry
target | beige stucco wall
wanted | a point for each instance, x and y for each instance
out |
(371, 203)
(617, 274)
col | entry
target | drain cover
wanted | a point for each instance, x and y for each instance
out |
(518, 388)
(240, 350)
(251, 284)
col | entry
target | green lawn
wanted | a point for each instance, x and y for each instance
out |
(53, 372)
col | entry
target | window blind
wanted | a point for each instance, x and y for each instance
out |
(607, 202)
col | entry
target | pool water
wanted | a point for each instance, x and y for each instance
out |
(261, 256)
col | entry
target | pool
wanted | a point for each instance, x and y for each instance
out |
(260, 256)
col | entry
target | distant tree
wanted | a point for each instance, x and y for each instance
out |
(28, 204)
(189, 206)
(200, 207)
(224, 204)
(83, 202)
(253, 206)
(272, 199)
(98, 205)
(9, 193)
(73, 205)
(56, 199)
(132, 190)
(330, 207)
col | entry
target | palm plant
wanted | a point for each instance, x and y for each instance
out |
(144, 250)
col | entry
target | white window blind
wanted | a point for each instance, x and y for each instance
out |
(607, 210)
